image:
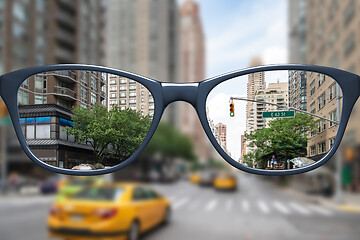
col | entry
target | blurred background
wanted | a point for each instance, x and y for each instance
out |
(186, 41)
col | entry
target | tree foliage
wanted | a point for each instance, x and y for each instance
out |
(170, 143)
(285, 137)
(115, 133)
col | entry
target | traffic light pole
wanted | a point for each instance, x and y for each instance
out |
(286, 107)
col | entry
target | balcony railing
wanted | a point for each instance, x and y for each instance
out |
(65, 92)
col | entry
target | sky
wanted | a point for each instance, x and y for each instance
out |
(236, 31)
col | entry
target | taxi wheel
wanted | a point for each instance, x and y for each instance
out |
(167, 216)
(134, 231)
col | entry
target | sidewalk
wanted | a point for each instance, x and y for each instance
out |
(351, 201)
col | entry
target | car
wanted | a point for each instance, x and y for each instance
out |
(108, 211)
(50, 184)
(83, 167)
(194, 178)
(207, 178)
(225, 181)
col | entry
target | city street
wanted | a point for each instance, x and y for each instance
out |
(256, 211)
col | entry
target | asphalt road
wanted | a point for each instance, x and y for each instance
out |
(256, 211)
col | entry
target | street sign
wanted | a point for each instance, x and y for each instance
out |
(278, 114)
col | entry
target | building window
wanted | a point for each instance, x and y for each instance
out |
(312, 87)
(43, 131)
(349, 12)
(83, 77)
(151, 100)
(321, 100)
(133, 108)
(40, 99)
(30, 132)
(322, 126)
(312, 150)
(132, 94)
(123, 108)
(332, 91)
(113, 88)
(132, 87)
(322, 147)
(123, 101)
(122, 88)
(132, 101)
(93, 82)
(151, 107)
(93, 98)
(313, 108)
(113, 81)
(333, 118)
(349, 44)
(123, 94)
(123, 80)
(83, 94)
(113, 95)
(23, 97)
(321, 79)
(112, 102)
(331, 142)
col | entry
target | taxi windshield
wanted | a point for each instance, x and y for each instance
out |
(99, 193)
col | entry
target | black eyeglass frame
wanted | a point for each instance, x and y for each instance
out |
(165, 93)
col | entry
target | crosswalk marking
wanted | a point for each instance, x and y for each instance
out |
(281, 207)
(211, 205)
(300, 208)
(180, 203)
(263, 207)
(321, 210)
(245, 205)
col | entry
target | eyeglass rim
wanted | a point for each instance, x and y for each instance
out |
(348, 82)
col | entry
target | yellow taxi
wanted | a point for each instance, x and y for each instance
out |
(225, 181)
(195, 178)
(108, 211)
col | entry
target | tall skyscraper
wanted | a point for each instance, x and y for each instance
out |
(256, 82)
(297, 90)
(51, 32)
(297, 31)
(192, 55)
(220, 135)
(142, 37)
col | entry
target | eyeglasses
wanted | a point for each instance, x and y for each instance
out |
(91, 120)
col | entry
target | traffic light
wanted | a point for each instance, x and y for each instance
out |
(232, 113)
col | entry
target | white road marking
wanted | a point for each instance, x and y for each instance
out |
(281, 207)
(300, 208)
(263, 207)
(180, 203)
(211, 205)
(245, 205)
(321, 210)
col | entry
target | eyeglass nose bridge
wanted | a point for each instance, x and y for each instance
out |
(173, 92)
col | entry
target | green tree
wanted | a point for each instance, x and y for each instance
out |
(129, 131)
(170, 143)
(93, 127)
(115, 133)
(285, 137)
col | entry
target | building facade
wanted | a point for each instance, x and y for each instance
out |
(45, 109)
(51, 32)
(220, 135)
(256, 82)
(142, 37)
(192, 59)
(297, 90)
